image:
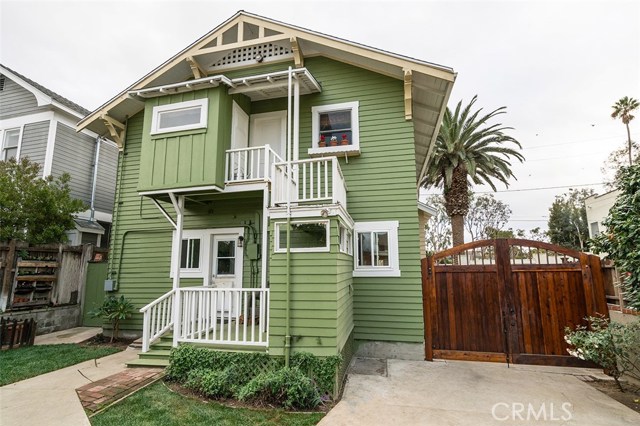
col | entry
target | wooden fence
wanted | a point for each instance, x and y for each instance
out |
(14, 333)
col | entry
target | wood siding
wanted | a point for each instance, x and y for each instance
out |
(16, 100)
(106, 184)
(187, 158)
(34, 142)
(74, 153)
(321, 304)
(141, 237)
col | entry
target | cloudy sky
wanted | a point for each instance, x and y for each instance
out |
(558, 66)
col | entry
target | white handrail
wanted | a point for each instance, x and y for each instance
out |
(157, 318)
(249, 164)
(313, 180)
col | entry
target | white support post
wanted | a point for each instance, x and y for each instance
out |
(178, 205)
(296, 119)
(334, 180)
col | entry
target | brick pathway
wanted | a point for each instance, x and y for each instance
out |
(101, 393)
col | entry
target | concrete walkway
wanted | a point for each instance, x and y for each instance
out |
(475, 393)
(72, 335)
(51, 399)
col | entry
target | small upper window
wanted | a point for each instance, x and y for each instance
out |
(304, 236)
(10, 144)
(346, 240)
(179, 116)
(335, 127)
(376, 249)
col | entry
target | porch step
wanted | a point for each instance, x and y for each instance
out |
(149, 362)
(156, 354)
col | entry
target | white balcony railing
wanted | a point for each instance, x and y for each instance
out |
(222, 316)
(244, 165)
(313, 180)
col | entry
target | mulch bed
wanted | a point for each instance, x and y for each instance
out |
(630, 397)
(105, 341)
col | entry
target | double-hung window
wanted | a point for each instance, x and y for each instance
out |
(190, 254)
(335, 127)
(180, 116)
(346, 240)
(10, 144)
(311, 236)
(376, 249)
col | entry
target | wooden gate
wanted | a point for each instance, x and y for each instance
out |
(508, 300)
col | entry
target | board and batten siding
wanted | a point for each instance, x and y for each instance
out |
(187, 158)
(34, 142)
(15, 99)
(74, 153)
(140, 256)
(320, 308)
(381, 186)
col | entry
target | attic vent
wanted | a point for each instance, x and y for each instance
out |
(249, 54)
(1, 83)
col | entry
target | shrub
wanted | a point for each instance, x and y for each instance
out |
(214, 383)
(321, 370)
(114, 309)
(613, 346)
(288, 387)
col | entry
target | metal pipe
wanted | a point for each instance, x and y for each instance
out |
(96, 160)
(287, 321)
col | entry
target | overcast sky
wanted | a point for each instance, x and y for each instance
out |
(557, 66)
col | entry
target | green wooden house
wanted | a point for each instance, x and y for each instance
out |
(267, 191)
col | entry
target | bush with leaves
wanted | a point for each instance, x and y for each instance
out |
(621, 242)
(613, 346)
(288, 387)
(32, 209)
(114, 309)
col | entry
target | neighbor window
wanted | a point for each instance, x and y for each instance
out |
(338, 122)
(376, 249)
(10, 144)
(190, 254)
(304, 236)
(595, 230)
(179, 116)
(346, 240)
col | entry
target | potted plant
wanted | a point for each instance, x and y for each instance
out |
(322, 142)
(334, 141)
(344, 140)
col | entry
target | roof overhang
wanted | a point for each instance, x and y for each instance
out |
(427, 86)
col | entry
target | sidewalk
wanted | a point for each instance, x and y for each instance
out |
(72, 335)
(51, 399)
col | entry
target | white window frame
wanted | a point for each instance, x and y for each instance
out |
(276, 240)
(202, 124)
(3, 150)
(192, 234)
(355, 127)
(345, 239)
(188, 240)
(391, 228)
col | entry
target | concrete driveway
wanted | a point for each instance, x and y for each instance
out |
(475, 393)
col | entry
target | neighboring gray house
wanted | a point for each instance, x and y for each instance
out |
(40, 124)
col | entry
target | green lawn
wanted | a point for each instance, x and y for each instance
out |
(30, 361)
(158, 405)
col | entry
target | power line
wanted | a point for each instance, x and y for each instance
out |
(540, 188)
(574, 142)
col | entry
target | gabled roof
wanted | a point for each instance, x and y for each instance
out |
(13, 75)
(232, 44)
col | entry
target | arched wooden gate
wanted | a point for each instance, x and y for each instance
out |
(508, 300)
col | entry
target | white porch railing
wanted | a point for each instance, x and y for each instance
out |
(233, 316)
(157, 319)
(312, 180)
(250, 164)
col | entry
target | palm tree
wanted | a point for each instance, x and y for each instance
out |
(623, 109)
(469, 151)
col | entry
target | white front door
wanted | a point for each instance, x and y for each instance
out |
(226, 270)
(239, 127)
(270, 128)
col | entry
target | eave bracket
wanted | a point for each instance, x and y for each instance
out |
(408, 108)
(116, 130)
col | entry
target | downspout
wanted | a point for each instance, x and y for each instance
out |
(114, 228)
(287, 321)
(96, 159)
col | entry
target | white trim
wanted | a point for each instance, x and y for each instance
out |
(206, 240)
(203, 104)
(181, 190)
(26, 119)
(276, 236)
(98, 215)
(301, 212)
(51, 141)
(348, 240)
(391, 228)
(355, 127)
